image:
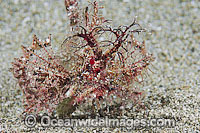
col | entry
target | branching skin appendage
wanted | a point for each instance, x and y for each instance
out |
(98, 64)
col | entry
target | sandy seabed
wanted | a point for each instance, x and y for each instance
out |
(172, 91)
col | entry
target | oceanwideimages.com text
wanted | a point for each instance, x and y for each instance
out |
(46, 121)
